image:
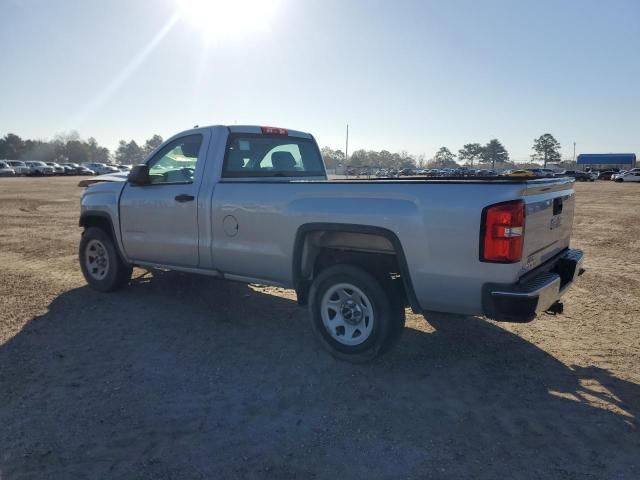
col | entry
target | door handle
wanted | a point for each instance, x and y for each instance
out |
(557, 206)
(184, 198)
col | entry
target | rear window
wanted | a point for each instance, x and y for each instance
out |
(254, 155)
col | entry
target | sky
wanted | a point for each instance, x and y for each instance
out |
(405, 75)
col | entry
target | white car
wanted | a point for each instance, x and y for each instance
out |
(124, 168)
(57, 169)
(615, 176)
(100, 168)
(40, 168)
(627, 177)
(6, 170)
(19, 167)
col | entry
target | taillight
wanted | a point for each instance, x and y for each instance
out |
(502, 232)
(274, 131)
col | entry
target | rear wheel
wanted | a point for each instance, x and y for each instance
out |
(352, 315)
(101, 265)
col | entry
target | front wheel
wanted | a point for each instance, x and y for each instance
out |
(352, 315)
(101, 265)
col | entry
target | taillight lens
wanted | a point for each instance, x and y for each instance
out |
(503, 232)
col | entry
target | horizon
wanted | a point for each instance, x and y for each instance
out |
(438, 75)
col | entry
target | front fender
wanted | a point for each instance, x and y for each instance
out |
(100, 201)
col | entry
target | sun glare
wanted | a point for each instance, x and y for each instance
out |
(218, 20)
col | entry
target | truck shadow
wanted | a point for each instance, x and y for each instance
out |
(189, 377)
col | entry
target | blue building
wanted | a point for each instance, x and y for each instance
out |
(599, 161)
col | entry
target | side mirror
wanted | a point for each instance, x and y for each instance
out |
(139, 175)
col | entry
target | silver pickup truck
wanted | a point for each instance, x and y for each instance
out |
(253, 204)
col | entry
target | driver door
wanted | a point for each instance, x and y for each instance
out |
(159, 221)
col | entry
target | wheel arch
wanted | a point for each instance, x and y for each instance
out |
(344, 237)
(96, 218)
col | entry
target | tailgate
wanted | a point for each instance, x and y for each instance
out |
(548, 220)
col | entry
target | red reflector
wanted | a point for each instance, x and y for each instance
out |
(503, 232)
(274, 131)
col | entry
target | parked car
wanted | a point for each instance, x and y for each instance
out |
(352, 251)
(628, 177)
(519, 173)
(57, 169)
(615, 176)
(607, 174)
(39, 168)
(542, 172)
(101, 168)
(78, 169)
(6, 170)
(577, 174)
(70, 168)
(82, 170)
(19, 167)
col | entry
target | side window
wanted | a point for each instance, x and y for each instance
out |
(176, 162)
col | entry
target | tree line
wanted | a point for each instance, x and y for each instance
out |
(545, 149)
(70, 147)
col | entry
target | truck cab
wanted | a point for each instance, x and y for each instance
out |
(254, 204)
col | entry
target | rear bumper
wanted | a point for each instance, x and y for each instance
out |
(535, 292)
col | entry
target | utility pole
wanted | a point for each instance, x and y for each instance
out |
(346, 148)
(574, 152)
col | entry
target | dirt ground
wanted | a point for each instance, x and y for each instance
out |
(188, 377)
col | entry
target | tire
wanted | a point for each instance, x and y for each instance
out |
(366, 318)
(97, 245)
